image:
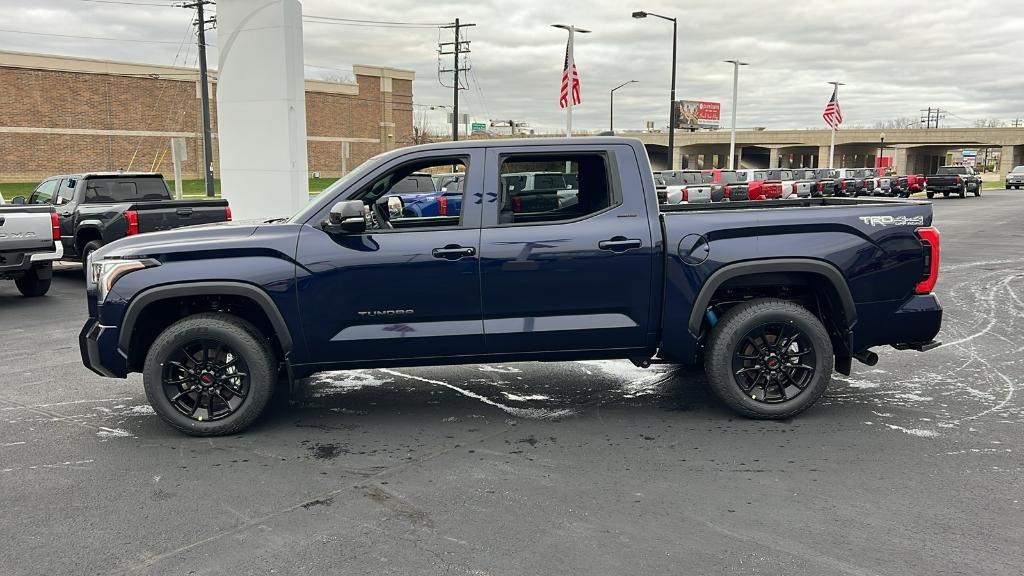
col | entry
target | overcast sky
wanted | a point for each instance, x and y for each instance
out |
(896, 56)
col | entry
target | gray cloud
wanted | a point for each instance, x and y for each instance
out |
(896, 56)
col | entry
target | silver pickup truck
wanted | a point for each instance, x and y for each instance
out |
(29, 244)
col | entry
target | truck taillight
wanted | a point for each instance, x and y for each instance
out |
(728, 192)
(930, 243)
(55, 226)
(958, 180)
(227, 213)
(132, 217)
(843, 184)
(686, 195)
(517, 204)
(821, 187)
(442, 202)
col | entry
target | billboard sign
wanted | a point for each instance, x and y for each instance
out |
(695, 114)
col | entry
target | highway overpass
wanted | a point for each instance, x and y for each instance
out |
(912, 150)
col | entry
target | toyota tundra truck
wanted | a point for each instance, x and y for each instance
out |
(97, 208)
(769, 297)
(29, 244)
(953, 180)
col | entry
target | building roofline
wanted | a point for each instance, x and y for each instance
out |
(82, 65)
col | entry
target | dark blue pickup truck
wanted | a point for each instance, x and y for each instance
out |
(770, 297)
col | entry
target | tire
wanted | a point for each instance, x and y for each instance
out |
(930, 195)
(30, 285)
(88, 249)
(963, 191)
(168, 374)
(945, 194)
(769, 320)
(977, 191)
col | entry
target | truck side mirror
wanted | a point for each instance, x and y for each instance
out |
(346, 217)
(18, 200)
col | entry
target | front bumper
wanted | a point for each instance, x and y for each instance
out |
(98, 344)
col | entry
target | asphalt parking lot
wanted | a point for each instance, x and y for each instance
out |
(910, 467)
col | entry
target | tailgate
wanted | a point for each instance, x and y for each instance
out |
(167, 215)
(26, 229)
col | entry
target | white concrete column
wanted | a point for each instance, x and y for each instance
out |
(773, 157)
(1008, 159)
(261, 108)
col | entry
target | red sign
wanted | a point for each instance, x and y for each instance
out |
(697, 114)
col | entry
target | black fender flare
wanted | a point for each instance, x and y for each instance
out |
(204, 288)
(807, 265)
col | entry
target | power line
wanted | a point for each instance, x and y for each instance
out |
(164, 5)
(369, 23)
(88, 37)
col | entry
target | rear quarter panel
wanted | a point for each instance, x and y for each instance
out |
(880, 262)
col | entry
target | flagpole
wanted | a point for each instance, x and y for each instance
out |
(832, 146)
(572, 83)
(570, 65)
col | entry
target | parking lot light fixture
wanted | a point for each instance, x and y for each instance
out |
(735, 85)
(611, 105)
(672, 95)
(881, 147)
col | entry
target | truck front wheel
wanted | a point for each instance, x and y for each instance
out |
(32, 284)
(769, 359)
(209, 374)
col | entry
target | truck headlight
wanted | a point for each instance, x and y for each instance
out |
(104, 272)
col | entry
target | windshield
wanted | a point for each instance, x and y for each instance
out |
(1018, 170)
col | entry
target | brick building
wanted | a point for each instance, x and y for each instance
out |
(62, 114)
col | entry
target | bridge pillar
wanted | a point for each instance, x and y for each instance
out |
(1009, 157)
(822, 156)
(773, 156)
(899, 159)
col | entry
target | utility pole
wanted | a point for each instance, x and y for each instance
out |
(204, 90)
(459, 47)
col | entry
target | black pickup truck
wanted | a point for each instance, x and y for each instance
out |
(953, 179)
(97, 208)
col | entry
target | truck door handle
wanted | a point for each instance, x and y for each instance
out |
(453, 252)
(619, 244)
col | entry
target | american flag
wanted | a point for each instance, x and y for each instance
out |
(570, 62)
(833, 115)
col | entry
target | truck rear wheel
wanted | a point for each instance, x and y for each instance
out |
(89, 248)
(963, 191)
(31, 285)
(769, 359)
(209, 374)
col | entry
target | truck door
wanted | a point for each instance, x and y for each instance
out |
(565, 269)
(412, 291)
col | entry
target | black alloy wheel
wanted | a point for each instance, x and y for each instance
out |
(210, 374)
(205, 380)
(774, 363)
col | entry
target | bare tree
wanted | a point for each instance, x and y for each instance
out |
(339, 78)
(989, 123)
(422, 130)
(896, 123)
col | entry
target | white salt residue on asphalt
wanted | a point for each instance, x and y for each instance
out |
(856, 383)
(527, 413)
(635, 381)
(141, 410)
(914, 431)
(342, 381)
(525, 398)
(498, 369)
(113, 433)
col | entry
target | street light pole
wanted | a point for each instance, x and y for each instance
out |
(570, 64)
(611, 105)
(735, 85)
(672, 94)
